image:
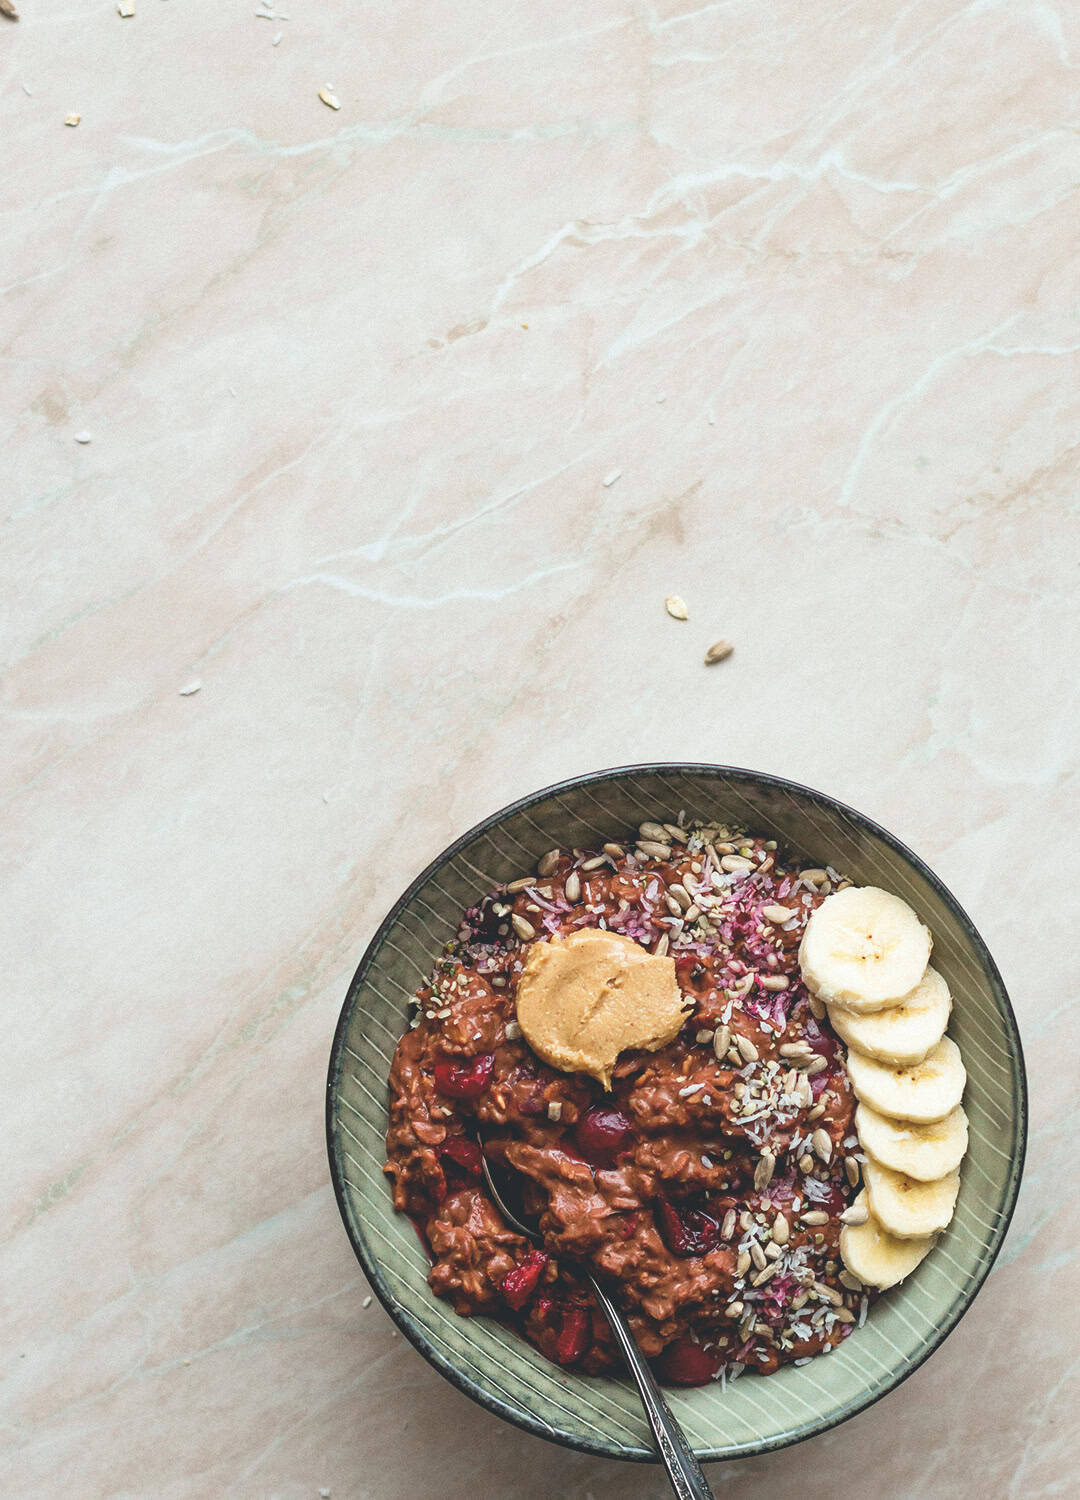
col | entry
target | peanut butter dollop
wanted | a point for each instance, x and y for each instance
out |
(584, 999)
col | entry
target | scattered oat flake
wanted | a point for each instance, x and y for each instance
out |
(125, 9)
(325, 1494)
(719, 652)
(28, 91)
(609, 479)
(83, 437)
(330, 100)
(366, 1302)
(275, 40)
(676, 607)
(192, 687)
(71, 120)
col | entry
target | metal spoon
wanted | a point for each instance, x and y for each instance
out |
(685, 1473)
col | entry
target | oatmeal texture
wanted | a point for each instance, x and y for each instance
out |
(706, 1188)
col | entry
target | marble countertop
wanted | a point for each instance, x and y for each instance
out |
(390, 427)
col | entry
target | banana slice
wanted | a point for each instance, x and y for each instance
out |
(926, 1091)
(905, 1032)
(864, 948)
(925, 1152)
(876, 1257)
(908, 1209)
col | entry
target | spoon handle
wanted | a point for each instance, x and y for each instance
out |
(687, 1479)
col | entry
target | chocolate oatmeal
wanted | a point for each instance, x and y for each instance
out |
(705, 1187)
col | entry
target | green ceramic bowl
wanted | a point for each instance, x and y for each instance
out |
(493, 1365)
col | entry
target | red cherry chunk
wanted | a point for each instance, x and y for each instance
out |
(601, 1133)
(686, 1231)
(463, 1153)
(519, 1284)
(573, 1336)
(685, 1363)
(464, 1080)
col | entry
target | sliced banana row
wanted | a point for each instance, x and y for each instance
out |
(865, 953)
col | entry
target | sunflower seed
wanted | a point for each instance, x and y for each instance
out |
(546, 864)
(676, 607)
(681, 895)
(330, 100)
(692, 913)
(660, 947)
(775, 982)
(778, 915)
(71, 120)
(654, 831)
(734, 1311)
(703, 1038)
(727, 1228)
(615, 850)
(781, 1230)
(520, 885)
(816, 1064)
(555, 1109)
(653, 850)
(856, 1214)
(851, 1281)
(513, 1031)
(851, 1167)
(844, 1315)
(795, 1049)
(806, 1163)
(815, 1216)
(747, 1049)
(677, 834)
(572, 888)
(594, 863)
(742, 1265)
(763, 1276)
(719, 651)
(757, 1255)
(733, 862)
(525, 930)
(764, 1170)
(827, 1293)
(817, 1009)
(773, 1251)
(822, 1144)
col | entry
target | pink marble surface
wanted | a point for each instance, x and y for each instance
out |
(805, 274)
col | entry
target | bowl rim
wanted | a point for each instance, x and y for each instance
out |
(600, 1447)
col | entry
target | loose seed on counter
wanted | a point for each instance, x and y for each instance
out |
(719, 651)
(676, 607)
